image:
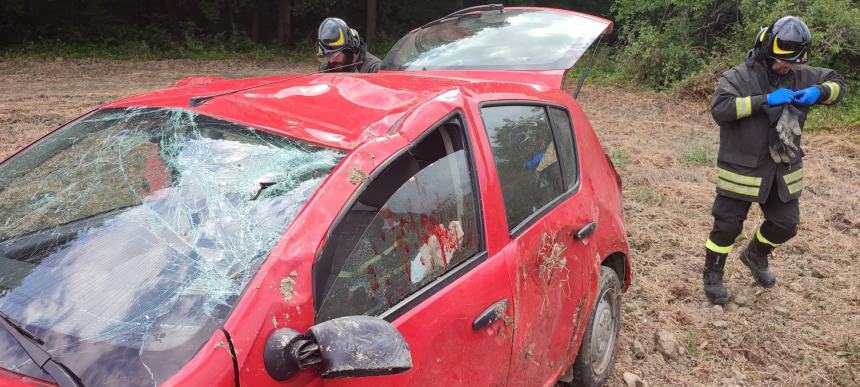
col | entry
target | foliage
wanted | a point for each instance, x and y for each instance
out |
(666, 42)
(685, 45)
(663, 42)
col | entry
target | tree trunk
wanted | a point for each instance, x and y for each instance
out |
(371, 20)
(284, 10)
(172, 18)
(226, 16)
(255, 24)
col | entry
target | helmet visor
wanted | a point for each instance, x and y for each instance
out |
(324, 50)
(790, 50)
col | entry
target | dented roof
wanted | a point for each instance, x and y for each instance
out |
(332, 110)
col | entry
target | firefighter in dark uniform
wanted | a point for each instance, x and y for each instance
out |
(760, 106)
(342, 49)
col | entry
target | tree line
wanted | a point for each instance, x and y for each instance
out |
(280, 22)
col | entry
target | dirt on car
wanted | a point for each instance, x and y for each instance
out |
(804, 331)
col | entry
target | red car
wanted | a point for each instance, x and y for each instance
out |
(452, 220)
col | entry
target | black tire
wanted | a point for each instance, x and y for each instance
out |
(592, 367)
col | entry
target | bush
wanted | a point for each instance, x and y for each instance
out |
(664, 43)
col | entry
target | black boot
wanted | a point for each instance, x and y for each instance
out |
(755, 257)
(712, 276)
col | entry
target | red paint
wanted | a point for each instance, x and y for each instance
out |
(374, 282)
(12, 379)
(154, 171)
(445, 351)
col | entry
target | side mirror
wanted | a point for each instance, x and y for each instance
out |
(344, 347)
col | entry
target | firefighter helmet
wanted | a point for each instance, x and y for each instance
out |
(787, 39)
(334, 36)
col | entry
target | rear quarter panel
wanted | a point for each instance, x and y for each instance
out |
(610, 234)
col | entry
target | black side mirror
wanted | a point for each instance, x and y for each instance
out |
(344, 347)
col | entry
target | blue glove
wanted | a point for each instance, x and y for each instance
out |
(533, 163)
(808, 96)
(780, 96)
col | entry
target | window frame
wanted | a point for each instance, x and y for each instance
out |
(569, 189)
(446, 278)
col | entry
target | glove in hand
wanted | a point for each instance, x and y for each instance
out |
(780, 96)
(787, 128)
(808, 96)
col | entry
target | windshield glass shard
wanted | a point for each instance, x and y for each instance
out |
(130, 234)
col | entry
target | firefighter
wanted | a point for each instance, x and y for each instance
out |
(342, 49)
(760, 106)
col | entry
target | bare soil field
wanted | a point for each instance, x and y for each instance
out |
(805, 331)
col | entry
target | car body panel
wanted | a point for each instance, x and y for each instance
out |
(310, 107)
(265, 306)
(386, 113)
(551, 305)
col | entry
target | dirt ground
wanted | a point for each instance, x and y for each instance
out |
(805, 331)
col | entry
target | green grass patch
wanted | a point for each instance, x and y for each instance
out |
(646, 195)
(699, 155)
(691, 342)
(602, 69)
(619, 157)
(851, 351)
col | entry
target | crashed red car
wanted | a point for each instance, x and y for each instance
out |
(451, 220)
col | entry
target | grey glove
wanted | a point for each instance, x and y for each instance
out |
(787, 128)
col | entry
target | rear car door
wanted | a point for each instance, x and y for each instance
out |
(537, 167)
(411, 249)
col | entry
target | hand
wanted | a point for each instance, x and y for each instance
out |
(780, 96)
(808, 96)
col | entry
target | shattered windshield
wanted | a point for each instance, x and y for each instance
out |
(127, 237)
(513, 39)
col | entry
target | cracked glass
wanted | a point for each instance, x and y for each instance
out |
(127, 237)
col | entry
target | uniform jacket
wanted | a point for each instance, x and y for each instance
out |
(746, 170)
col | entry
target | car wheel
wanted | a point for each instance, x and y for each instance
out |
(600, 342)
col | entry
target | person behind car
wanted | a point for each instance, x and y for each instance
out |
(760, 106)
(342, 49)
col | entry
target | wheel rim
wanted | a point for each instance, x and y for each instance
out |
(602, 335)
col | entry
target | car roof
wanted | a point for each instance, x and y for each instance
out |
(337, 110)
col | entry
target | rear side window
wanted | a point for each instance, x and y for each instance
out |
(526, 158)
(415, 221)
(566, 149)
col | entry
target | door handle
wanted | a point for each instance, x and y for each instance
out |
(585, 231)
(492, 314)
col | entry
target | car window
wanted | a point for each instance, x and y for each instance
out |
(515, 39)
(526, 158)
(426, 227)
(565, 144)
(130, 234)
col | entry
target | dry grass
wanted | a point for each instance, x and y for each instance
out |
(806, 334)
(785, 336)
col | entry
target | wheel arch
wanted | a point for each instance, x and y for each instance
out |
(619, 263)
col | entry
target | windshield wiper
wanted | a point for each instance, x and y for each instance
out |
(477, 8)
(31, 344)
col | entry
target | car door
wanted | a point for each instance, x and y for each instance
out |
(537, 168)
(412, 250)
